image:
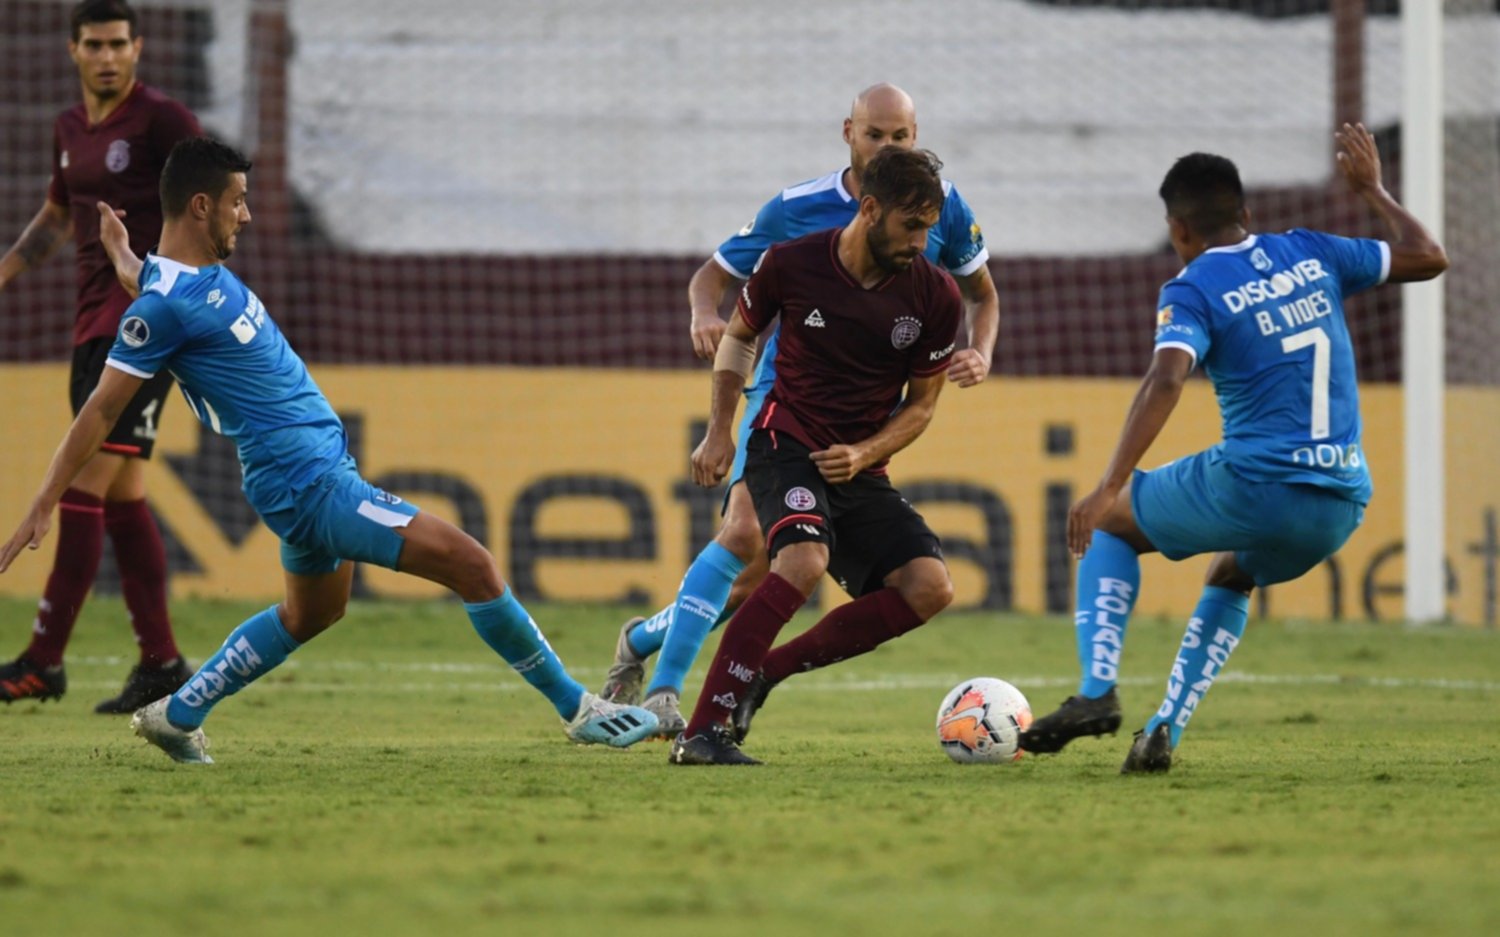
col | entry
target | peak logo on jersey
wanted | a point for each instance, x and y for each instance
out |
(1260, 261)
(814, 320)
(906, 332)
(117, 157)
(1163, 317)
(800, 499)
(135, 332)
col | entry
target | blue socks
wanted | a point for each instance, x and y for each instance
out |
(698, 610)
(1212, 633)
(507, 628)
(252, 650)
(1109, 577)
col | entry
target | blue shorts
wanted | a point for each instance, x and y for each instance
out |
(753, 401)
(340, 517)
(1277, 531)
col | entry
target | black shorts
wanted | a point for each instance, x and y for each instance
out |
(870, 529)
(135, 433)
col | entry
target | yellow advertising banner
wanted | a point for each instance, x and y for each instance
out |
(578, 481)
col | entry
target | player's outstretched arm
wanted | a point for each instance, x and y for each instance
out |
(972, 365)
(116, 241)
(841, 463)
(733, 362)
(705, 293)
(1154, 402)
(84, 438)
(1415, 254)
(48, 230)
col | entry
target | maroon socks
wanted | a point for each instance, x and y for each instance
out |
(80, 540)
(747, 638)
(142, 559)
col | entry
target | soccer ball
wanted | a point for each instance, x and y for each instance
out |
(981, 720)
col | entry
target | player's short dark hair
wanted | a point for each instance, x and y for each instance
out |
(101, 11)
(905, 179)
(197, 164)
(1204, 191)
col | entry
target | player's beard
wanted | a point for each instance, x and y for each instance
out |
(223, 244)
(880, 249)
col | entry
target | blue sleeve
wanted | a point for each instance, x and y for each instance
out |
(150, 334)
(742, 251)
(963, 241)
(1182, 320)
(1359, 263)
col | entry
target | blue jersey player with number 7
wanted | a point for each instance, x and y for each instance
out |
(1264, 317)
(241, 378)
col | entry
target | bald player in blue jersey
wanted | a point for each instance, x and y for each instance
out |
(734, 563)
(1264, 316)
(242, 379)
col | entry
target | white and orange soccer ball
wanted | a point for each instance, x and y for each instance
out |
(981, 720)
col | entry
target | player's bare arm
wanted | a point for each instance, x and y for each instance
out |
(47, 231)
(82, 441)
(1153, 404)
(1415, 254)
(982, 302)
(733, 362)
(841, 463)
(705, 293)
(116, 241)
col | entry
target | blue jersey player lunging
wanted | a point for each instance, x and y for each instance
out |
(1264, 316)
(731, 566)
(241, 378)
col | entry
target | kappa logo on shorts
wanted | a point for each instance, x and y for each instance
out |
(135, 332)
(800, 499)
(908, 329)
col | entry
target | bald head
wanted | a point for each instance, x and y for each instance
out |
(884, 103)
(881, 115)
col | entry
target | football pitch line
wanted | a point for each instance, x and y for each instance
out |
(831, 682)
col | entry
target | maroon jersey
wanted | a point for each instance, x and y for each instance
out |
(845, 353)
(118, 162)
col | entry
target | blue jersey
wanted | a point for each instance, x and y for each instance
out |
(954, 243)
(1265, 319)
(238, 373)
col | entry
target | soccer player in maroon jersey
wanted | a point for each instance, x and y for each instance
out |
(109, 148)
(864, 318)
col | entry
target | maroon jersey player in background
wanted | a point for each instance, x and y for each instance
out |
(110, 148)
(864, 318)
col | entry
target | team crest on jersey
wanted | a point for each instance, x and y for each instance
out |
(1164, 317)
(1260, 261)
(906, 332)
(975, 234)
(135, 332)
(117, 157)
(800, 499)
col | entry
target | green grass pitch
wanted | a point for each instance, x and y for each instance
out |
(396, 778)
